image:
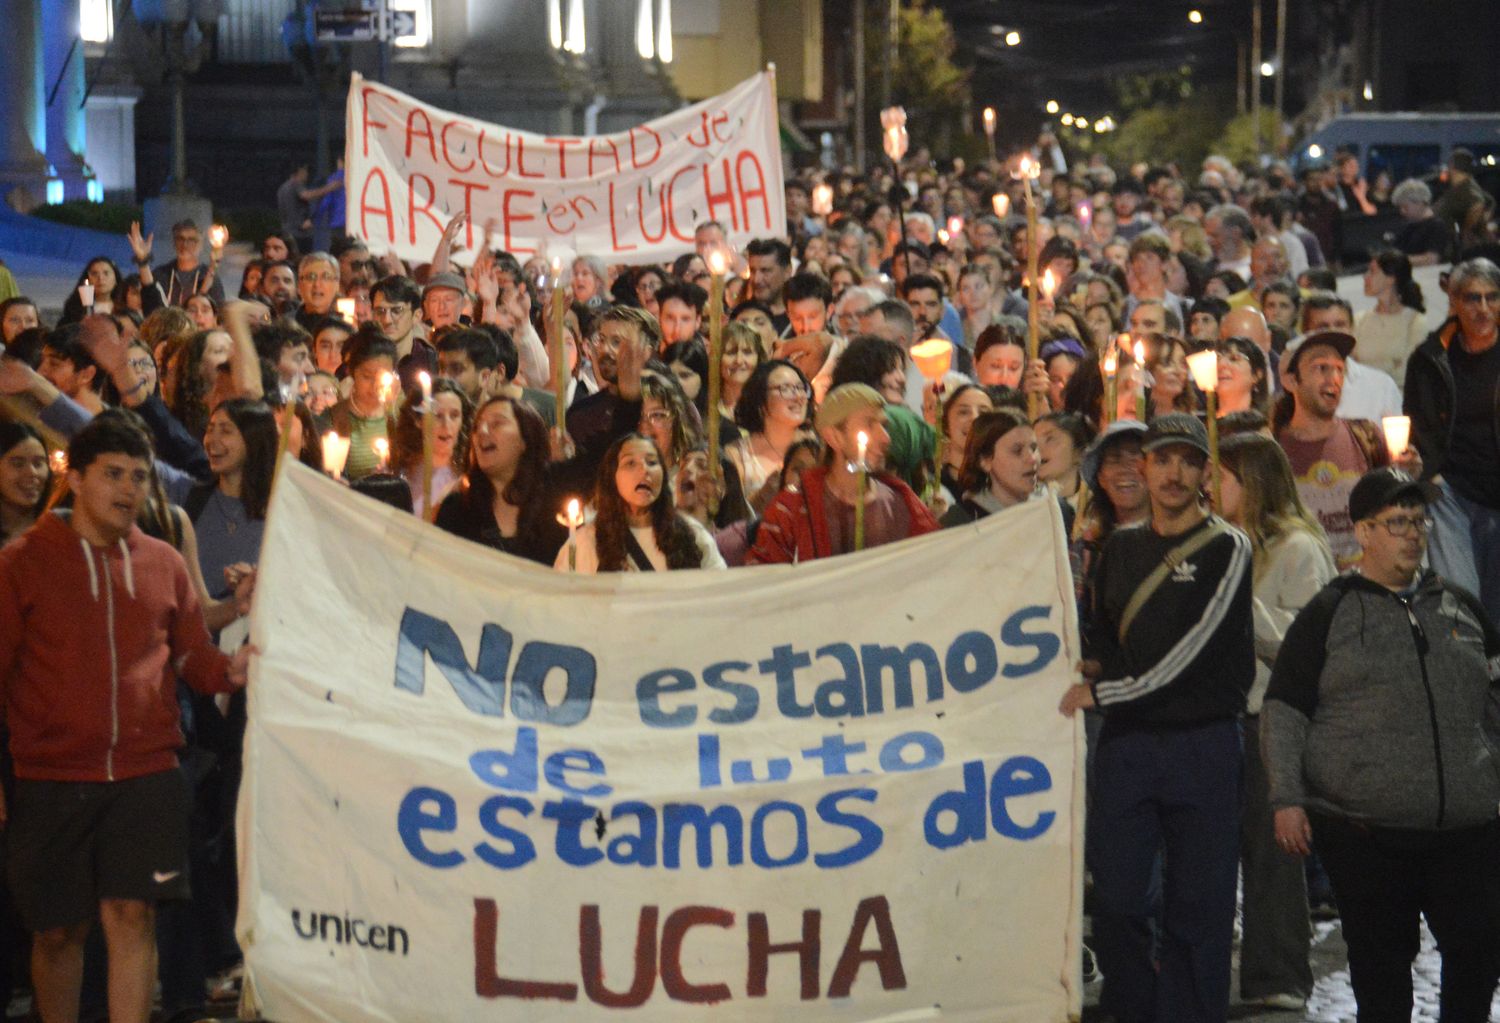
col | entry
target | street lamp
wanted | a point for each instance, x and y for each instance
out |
(1195, 16)
(1267, 69)
(1067, 119)
(1052, 106)
(1012, 38)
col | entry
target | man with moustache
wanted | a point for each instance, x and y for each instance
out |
(1172, 656)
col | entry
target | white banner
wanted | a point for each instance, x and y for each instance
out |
(631, 197)
(478, 789)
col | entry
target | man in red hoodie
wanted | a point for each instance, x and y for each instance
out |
(818, 520)
(97, 621)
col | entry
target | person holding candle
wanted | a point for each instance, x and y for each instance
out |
(772, 410)
(1328, 455)
(101, 275)
(636, 526)
(25, 479)
(452, 413)
(744, 352)
(1171, 658)
(1291, 562)
(818, 519)
(507, 499)
(884, 365)
(1166, 362)
(1243, 379)
(587, 282)
(1000, 357)
(365, 415)
(187, 274)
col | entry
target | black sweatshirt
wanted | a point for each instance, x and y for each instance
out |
(1189, 657)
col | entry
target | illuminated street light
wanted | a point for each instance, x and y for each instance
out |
(1082, 122)
(1315, 151)
(1012, 38)
(1267, 69)
(1052, 106)
(1067, 119)
(1195, 16)
(1369, 92)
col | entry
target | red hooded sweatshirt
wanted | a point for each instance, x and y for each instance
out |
(91, 644)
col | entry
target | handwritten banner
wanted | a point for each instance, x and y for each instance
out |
(630, 197)
(475, 788)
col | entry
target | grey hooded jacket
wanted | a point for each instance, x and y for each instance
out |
(1385, 709)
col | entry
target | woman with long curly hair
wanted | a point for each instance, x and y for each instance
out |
(505, 499)
(192, 375)
(452, 414)
(229, 511)
(637, 527)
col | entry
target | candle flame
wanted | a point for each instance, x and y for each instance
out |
(382, 450)
(1049, 284)
(218, 235)
(943, 235)
(989, 120)
(822, 199)
(955, 226)
(717, 264)
(1140, 354)
(1109, 363)
(572, 516)
(59, 461)
(864, 442)
(1001, 203)
(425, 379)
(1204, 366)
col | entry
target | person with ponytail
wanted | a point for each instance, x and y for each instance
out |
(637, 527)
(1389, 333)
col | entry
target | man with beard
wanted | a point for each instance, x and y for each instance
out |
(770, 266)
(1328, 454)
(278, 286)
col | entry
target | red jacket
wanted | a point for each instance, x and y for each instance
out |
(795, 526)
(91, 644)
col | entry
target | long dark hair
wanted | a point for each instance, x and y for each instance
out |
(987, 430)
(73, 309)
(13, 434)
(1395, 263)
(406, 444)
(527, 486)
(750, 410)
(257, 425)
(612, 522)
(190, 391)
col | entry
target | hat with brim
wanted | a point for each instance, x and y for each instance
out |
(1093, 458)
(449, 280)
(1336, 339)
(1175, 428)
(1381, 488)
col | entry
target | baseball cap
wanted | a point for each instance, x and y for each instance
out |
(1381, 488)
(445, 280)
(1175, 428)
(1113, 433)
(1336, 339)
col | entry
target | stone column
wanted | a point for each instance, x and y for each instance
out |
(66, 126)
(23, 119)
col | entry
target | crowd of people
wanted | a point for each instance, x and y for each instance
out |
(1289, 626)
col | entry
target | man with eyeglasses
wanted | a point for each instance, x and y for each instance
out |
(1381, 738)
(1328, 455)
(1452, 396)
(186, 274)
(317, 288)
(394, 302)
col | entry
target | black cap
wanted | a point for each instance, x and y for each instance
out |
(1176, 428)
(1336, 339)
(1381, 488)
(1094, 456)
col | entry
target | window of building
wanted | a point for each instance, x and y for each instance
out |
(96, 20)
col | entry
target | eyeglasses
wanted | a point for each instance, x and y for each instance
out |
(327, 278)
(392, 312)
(1479, 298)
(789, 391)
(660, 417)
(142, 365)
(1402, 525)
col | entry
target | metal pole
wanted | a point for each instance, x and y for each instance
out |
(1255, 62)
(1280, 67)
(1241, 95)
(859, 86)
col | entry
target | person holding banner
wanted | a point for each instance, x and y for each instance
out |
(637, 527)
(818, 519)
(97, 622)
(1172, 658)
(506, 499)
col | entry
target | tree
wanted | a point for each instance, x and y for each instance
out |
(925, 80)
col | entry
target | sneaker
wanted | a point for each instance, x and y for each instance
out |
(1091, 972)
(1285, 1002)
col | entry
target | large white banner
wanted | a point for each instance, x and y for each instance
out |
(479, 789)
(631, 197)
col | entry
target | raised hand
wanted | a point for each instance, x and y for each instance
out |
(141, 247)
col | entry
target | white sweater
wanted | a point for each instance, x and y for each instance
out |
(1293, 568)
(587, 556)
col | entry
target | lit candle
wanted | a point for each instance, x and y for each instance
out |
(572, 518)
(1108, 367)
(86, 295)
(1140, 381)
(559, 347)
(1001, 202)
(1049, 285)
(59, 462)
(955, 226)
(335, 453)
(1026, 170)
(1204, 366)
(860, 471)
(933, 358)
(1397, 434)
(387, 388)
(346, 308)
(717, 264)
(989, 129)
(822, 199)
(429, 427)
(943, 235)
(1085, 215)
(382, 448)
(218, 236)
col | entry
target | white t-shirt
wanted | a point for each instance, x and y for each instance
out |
(587, 555)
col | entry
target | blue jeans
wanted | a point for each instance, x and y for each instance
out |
(1178, 791)
(1465, 547)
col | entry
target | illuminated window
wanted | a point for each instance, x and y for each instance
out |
(96, 21)
(422, 9)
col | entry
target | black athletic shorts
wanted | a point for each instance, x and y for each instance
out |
(71, 844)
